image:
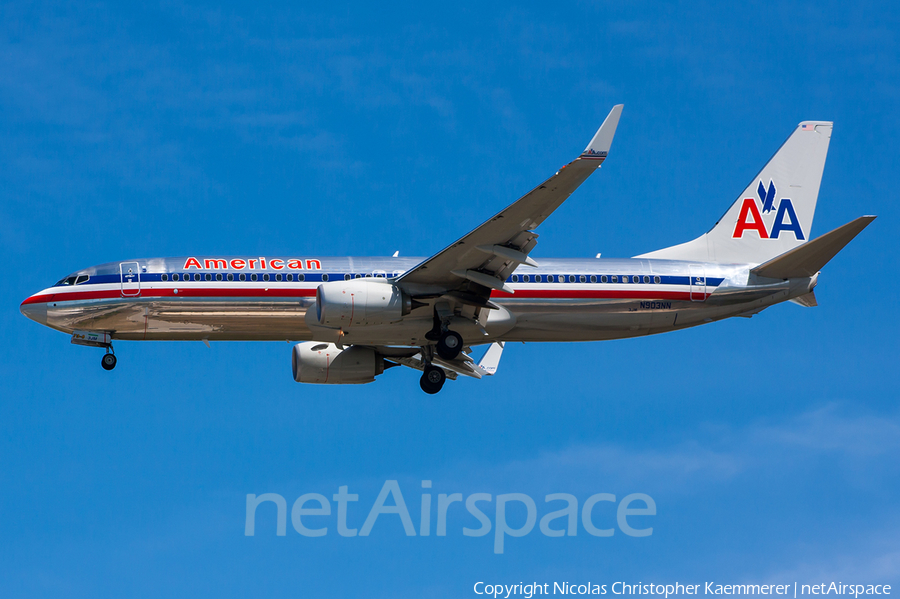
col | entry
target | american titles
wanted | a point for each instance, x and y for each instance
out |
(261, 263)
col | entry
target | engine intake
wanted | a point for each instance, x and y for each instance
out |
(342, 304)
(324, 363)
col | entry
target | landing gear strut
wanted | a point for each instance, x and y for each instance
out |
(432, 379)
(108, 361)
(449, 345)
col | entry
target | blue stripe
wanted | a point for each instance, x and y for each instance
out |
(318, 277)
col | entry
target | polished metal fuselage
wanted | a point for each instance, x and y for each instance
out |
(561, 300)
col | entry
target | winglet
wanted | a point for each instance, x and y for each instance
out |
(491, 358)
(599, 146)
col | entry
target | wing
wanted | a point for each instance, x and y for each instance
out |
(483, 259)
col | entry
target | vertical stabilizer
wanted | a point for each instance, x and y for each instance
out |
(775, 213)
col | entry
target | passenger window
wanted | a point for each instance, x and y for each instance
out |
(242, 277)
(230, 277)
(208, 277)
(603, 279)
(347, 277)
(593, 278)
(278, 277)
(561, 279)
(515, 278)
(571, 278)
(218, 276)
(624, 278)
(165, 277)
(301, 277)
(646, 279)
(253, 277)
(324, 276)
(175, 277)
(357, 276)
(290, 277)
(582, 278)
(614, 279)
(656, 279)
(266, 277)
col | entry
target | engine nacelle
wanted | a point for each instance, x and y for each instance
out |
(360, 302)
(324, 363)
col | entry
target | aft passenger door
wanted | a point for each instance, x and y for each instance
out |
(698, 282)
(131, 279)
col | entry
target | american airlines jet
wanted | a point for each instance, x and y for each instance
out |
(357, 317)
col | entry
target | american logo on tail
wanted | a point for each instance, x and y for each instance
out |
(750, 218)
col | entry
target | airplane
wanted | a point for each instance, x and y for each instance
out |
(355, 317)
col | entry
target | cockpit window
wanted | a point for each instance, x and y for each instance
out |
(73, 280)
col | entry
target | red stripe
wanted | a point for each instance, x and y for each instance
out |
(279, 293)
(595, 294)
(38, 299)
(157, 293)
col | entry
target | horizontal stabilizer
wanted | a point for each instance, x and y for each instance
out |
(809, 258)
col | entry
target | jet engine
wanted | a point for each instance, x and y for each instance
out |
(341, 304)
(324, 363)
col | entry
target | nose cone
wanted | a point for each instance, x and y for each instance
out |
(35, 308)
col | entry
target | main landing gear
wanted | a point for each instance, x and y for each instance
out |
(449, 345)
(432, 379)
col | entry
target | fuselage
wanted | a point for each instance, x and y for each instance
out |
(273, 298)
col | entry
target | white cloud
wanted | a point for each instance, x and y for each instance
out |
(709, 458)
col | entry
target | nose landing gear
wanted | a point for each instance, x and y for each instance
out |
(108, 361)
(95, 339)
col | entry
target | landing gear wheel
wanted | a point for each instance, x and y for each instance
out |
(432, 379)
(449, 345)
(108, 362)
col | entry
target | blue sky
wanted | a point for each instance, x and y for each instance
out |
(769, 445)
